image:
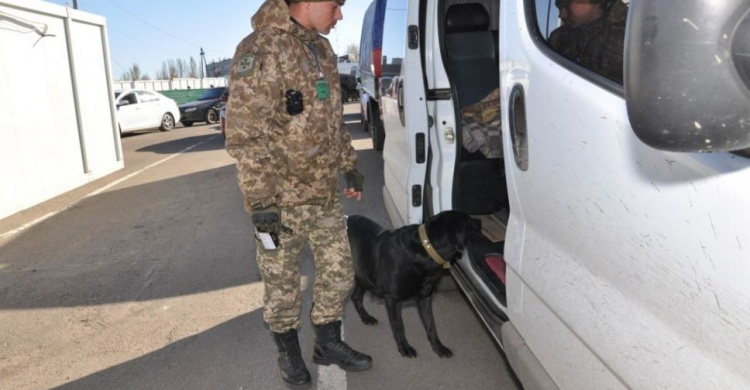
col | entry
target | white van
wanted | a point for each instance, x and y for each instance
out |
(617, 253)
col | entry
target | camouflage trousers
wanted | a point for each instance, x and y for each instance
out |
(324, 229)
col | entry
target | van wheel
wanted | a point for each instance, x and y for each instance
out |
(377, 132)
(362, 121)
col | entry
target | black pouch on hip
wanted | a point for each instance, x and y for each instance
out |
(294, 103)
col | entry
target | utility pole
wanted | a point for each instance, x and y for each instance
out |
(203, 61)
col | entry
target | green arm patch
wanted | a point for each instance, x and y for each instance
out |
(245, 66)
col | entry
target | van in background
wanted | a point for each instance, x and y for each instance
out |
(375, 70)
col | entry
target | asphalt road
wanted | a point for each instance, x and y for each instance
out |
(146, 279)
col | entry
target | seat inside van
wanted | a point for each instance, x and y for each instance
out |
(479, 183)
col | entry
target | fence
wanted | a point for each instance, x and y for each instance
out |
(174, 84)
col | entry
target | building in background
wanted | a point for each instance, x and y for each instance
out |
(219, 68)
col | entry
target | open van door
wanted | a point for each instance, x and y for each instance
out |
(623, 255)
(404, 113)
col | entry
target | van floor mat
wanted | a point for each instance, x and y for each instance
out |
(479, 248)
(492, 227)
(497, 264)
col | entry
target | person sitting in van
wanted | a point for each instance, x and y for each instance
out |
(592, 34)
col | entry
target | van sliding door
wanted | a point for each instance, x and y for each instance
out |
(404, 113)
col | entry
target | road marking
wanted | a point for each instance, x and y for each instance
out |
(362, 144)
(98, 191)
(332, 377)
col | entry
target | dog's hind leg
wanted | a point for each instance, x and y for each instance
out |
(357, 297)
(397, 327)
(424, 306)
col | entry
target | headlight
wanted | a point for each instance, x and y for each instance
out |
(191, 109)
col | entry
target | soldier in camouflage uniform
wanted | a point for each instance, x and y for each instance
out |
(286, 130)
(593, 34)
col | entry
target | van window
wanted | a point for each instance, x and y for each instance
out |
(588, 32)
(394, 37)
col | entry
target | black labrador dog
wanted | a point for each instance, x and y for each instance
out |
(396, 265)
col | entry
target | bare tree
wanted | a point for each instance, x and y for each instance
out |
(172, 69)
(163, 73)
(182, 67)
(193, 69)
(133, 73)
(353, 52)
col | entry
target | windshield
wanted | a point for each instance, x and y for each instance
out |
(213, 93)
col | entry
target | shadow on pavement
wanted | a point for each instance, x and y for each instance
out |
(223, 357)
(178, 145)
(173, 237)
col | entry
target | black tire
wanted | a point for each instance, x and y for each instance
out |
(344, 94)
(187, 123)
(167, 122)
(377, 133)
(212, 116)
(363, 121)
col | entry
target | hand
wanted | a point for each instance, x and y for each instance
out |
(354, 183)
(267, 219)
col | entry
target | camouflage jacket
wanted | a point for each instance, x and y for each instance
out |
(598, 45)
(282, 158)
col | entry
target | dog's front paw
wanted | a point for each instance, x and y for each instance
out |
(442, 351)
(369, 320)
(407, 351)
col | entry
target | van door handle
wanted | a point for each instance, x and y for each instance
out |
(518, 128)
(400, 101)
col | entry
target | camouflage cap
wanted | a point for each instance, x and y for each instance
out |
(566, 3)
(341, 2)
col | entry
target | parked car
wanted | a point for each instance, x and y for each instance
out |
(205, 109)
(616, 244)
(139, 109)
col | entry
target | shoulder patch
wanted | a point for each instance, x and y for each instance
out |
(245, 66)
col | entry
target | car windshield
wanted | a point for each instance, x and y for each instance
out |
(213, 93)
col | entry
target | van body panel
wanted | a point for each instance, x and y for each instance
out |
(442, 134)
(404, 115)
(629, 255)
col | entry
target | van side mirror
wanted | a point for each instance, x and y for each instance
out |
(687, 74)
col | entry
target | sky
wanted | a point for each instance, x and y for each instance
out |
(148, 32)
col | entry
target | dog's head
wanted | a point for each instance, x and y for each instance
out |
(449, 232)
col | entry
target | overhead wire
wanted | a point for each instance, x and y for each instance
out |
(151, 25)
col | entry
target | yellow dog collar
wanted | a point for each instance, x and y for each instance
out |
(430, 250)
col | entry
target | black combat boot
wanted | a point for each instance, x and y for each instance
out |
(293, 370)
(330, 349)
